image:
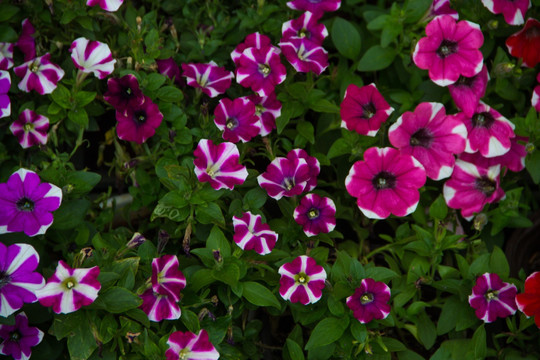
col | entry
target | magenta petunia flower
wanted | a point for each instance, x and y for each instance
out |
(18, 339)
(535, 100)
(167, 279)
(70, 289)
(370, 301)
(267, 110)
(39, 74)
(190, 346)
(525, 43)
(218, 164)
(26, 42)
(492, 298)
(316, 214)
(305, 55)
(528, 302)
(512, 10)
(260, 69)
(250, 233)
(107, 5)
(255, 40)
(237, 119)
(210, 78)
(468, 91)
(124, 93)
(159, 306)
(302, 280)
(26, 204)
(513, 160)
(449, 50)
(431, 137)
(313, 165)
(5, 102)
(364, 109)
(315, 6)
(386, 182)
(30, 129)
(91, 56)
(18, 278)
(139, 123)
(306, 26)
(442, 7)
(170, 69)
(6, 55)
(285, 177)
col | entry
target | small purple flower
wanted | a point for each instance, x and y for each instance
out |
(512, 10)
(237, 119)
(30, 129)
(139, 123)
(167, 279)
(91, 56)
(315, 6)
(26, 42)
(18, 281)
(305, 55)
(6, 55)
(250, 233)
(260, 69)
(26, 204)
(39, 74)
(306, 26)
(107, 5)
(316, 214)
(313, 165)
(170, 69)
(467, 91)
(190, 346)
(285, 177)
(370, 301)
(5, 102)
(267, 110)
(159, 306)
(302, 280)
(70, 289)
(493, 298)
(255, 40)
(124, 93)
(210, 78)
(18, 339)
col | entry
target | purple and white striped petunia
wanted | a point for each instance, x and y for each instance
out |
(302, 280)
(313, 165)
(468, 91)
(306, 26)
(30, 129)
(512, 10)
(237, 119)
(250, 233)
(138, 123)
(449, 50)
(260, 69)
(285, 177)
(6, 55)
(267, 110)
(159, 306)
(67, 290)
(442, 7)
(124, 93)
(210, 78)
(26, 42)
(18, 339)
(535, 100)
(386, 182)
(26, 204)
(305, 55)
(315, 6)
(18, 278)
(218, 164)
(431, 137)
(167, 279)
(255, 40)
(39, 74)
(190, 346)
(107, 5)
(492, 298)
(316, 214)
(364, 109)
(5, 102)
(370, 301)
(92, 56)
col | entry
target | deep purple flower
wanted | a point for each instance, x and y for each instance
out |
(370, 301)
(70, 289)
(190, 346)
(255, 40)
(26, 42)
(305, 55)
(316, 214)
(5, 102)
(26, 204)
(442, 7)
(493, 298)
(18, 339)
(267, 110)
(159, 306)
(39, 74)
(167, 279)
(302, 280)
(250, 233)
(124, 93)
(315, 6)
(169, 68)
(30, 129)
(313, 165)
(6, 55)
(18, 281)
(107, 5)
(468, 91)
(210, 78)
(285, 177)
(91, 56)
(139, 123)
(306, 26)
(512, 10)
(237, 119)
(260, 69)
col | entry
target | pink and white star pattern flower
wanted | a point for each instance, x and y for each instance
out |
(210, 78)
(305, 55)
(159, 306)
(260, 69)
(6, 55)
(237, 119)
(316, 214)
(313, 165)
(267, 110)
(442, 7)
(306, 26)
(250, 233)
(285, 177)
(30, 129)
(107, 5)
(512, 10)
(255, 40)
(39, 74)
(91, 56)
(190, 346)
(302, 280)
(5, 102)
(167, 279)
(492, 298)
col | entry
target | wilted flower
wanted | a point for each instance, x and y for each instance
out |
(250, 233)
(529, 301)
(316, 214)
(124, 93)
(285, 177)
(91, 56)
(30, 129)
(210, 78)
(492, 298)
(267, 110)
(6, 55)
(315, 6)
(26, 42)
(190, 346)
(370, 301)
(513, 10)
(306, 26)
(39, 74)
(107, 5)
(5, 102)
(260, 69)
(525, 43)
(302, 280)
(138, 123)
(467, 91)
(305, 55)
(18, 339)
(236, 118)
(167, 279)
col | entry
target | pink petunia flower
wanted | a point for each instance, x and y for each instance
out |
(535, 100)
(30, 129)
(313, 165)
(370, 301)
(525, 43)
(442, 7)
(138, 123)
(364, 109)
(250, 233)
(255, 40)
(124, 93)
(18, 339)
(306, 26)
(513, 160)
(167, 279)
(386, 182)
(218, 164)
(91, 56)
(513, 10)
(190, 346)
(210, 78)
(528, 302)
(316, 214)
(449, 50)
(170, 69)
(260, 69)
(305, 55)
(159, 306)
(302, 280)
(237, 119)
(431, 137)
(492, 298)
(107, 5)
(6, 55)
(39, 74)
(267, 110)
(468, 91)
(285, 177)
(5, 102)
(26, 42)
(315, 6)
(70, 289)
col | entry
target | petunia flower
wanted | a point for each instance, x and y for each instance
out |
(255, 40)
(67, 290)
(306, 26)
(513, 160)
(525, 43)
(250, 233)
(304, 55)
(267, 110)
(535, 100)
(528, 302)
(39, 74)
(167, 279)
(449, 50)
(124, 93)
(316, 214)
(492, 298)
(107, 5)
(5, 102)
(30, 129)
(218, 164)
(210, 78)
(431, 137)
(302, 280)
(285, 177)
(159, 306)
(467, 91)
(18, 339)
(386, 182)
(170, 69)
(6, 55)
(26, 42)
(364, 109)
(237, 119)
(513, 10)
(260, 69)
(91, 56)
(139, 123)
(26, 204)
(442, 7)
(190, 346)
(313, 165)
(370, 301)
(315, 6)
(18, 278)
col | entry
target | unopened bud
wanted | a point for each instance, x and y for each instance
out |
(217, 256)
(493, 24)
(136, 240)
(187, 239)
(163, 239)
(530, 148)
(504, 69)
(480, 221)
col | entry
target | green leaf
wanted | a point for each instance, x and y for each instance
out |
(82, 181)
(295, 351)
(82, 342)
(190, 320)
(62, 96)
(532, 163)
(79, 117)
(427, 333)
(229, 273)
(498, 263)
(154, 81)
(255, 198)
(170, 94)
(439, 209)
(327, 331)
(359, 331)
(7, 12)
(200, 279)
(305, 128)
(338, 148)
(209, 213)
(380, 273)
(70, 214)
(346, 38)
(325, 106)
(376, 58)
(479, 341)
(259, 295)
(83, 98)
(117, 300)
(217, 241)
